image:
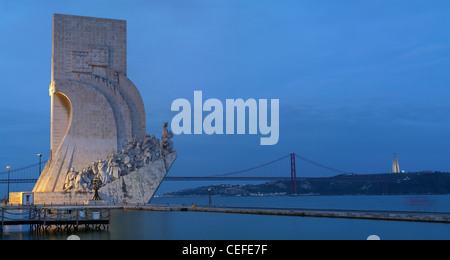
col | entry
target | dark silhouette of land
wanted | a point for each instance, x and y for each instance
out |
(345, 184)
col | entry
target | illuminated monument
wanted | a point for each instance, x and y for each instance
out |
(395, 166)
(98, 124)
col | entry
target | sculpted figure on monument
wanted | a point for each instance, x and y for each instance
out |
(86, 181)
(165, 132)
(155, 146)
(82, 181)
(69, 183)
(112, 168)
(94, 169)
(78, 182)
(166, 144)
(102, 175)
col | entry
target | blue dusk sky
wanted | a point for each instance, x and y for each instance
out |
(357, 80)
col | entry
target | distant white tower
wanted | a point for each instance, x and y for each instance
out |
(395, 167)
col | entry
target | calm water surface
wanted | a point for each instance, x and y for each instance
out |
(209, 226)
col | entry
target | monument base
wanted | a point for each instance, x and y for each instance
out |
(52, 198)
(95, 203)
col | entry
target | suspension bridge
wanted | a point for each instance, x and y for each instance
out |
(281, 169)
(284, 168)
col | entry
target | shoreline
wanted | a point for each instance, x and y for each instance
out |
(410, 216)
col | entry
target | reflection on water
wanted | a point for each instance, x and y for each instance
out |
(422, 203)
(131, 225)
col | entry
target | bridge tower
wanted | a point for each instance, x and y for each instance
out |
(293, 175)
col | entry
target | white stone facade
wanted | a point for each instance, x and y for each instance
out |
(95, 110)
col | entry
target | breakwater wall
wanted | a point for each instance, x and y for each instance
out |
(432, 217)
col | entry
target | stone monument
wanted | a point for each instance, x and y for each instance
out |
(98, 124)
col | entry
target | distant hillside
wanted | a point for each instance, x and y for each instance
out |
(356, 184)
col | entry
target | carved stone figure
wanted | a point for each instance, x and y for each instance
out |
(86, 182)
(78, 182)
(165, 133)
(166, 144)
(69, 183)
(102, 175)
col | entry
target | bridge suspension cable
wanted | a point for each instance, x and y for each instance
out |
(250, 169)
(23, 168)
(320, 165)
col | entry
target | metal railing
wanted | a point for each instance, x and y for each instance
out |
(60, 218)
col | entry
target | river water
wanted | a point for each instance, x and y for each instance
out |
(218, 226)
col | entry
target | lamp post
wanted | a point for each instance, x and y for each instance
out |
(95, 185)
(9, 170)
(40, 156)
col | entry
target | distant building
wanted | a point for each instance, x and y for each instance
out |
(395, 167)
